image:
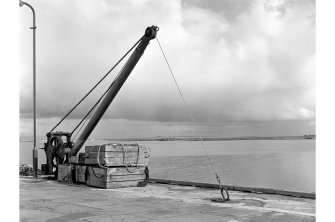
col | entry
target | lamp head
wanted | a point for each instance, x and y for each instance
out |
(21, 3)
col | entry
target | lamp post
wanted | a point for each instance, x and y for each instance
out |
(35, 157)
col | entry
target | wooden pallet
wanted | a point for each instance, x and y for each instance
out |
(116, 154)
(65, 173)
(116, 177)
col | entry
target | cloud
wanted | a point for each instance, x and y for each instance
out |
(228, 9)
(234, 60)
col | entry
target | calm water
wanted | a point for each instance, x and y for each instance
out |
(280, 164)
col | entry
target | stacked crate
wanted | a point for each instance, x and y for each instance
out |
(117, 154)
(116, 165)
(107, 166)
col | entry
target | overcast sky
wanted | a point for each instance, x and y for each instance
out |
(246, 68)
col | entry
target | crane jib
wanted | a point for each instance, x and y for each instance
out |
(150, 33)
(55, 148)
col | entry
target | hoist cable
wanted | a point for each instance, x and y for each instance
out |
(96, 84)
(90, 111)
(85, 118)
(195, 125)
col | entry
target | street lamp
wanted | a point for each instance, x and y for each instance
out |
(35, 157)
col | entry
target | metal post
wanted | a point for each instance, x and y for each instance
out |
(35, 156)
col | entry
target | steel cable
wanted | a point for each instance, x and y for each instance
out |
(195, 125)
(96, 84)
(91, 110)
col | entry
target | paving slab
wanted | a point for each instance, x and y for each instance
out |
(47, 200)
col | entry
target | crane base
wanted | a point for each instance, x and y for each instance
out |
(115, 177)
(106, 178)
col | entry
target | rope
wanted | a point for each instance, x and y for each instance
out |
(138, 153)
(146, 170)
(96, 84)
(98, 157)
(124, 164)
(146, 180)
(92, 168)
(124, 152)
(124, 157)
(194, 124)
(69, 178)
(91, 110)
(85, 118)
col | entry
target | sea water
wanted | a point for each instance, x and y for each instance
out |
(278, 164)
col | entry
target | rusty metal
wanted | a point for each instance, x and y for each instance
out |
(55, 150)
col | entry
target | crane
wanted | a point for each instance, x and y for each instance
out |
(59, 146)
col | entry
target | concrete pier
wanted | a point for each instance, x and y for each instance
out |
(48, 200)
(237, 188)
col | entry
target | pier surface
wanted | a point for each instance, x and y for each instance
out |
(47, 200)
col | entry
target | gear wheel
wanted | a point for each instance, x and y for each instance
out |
(55, 154)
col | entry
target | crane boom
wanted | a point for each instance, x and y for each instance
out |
(150, 33)
(56, 148)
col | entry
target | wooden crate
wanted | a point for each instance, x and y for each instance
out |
(116, 154)
(80, 174)
(65, 173)
(81, 158)
(73, 159)
(116, 177)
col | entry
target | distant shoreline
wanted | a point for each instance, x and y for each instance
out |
(206, 138)
(191, 138)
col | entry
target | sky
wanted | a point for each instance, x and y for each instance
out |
(245, 67)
